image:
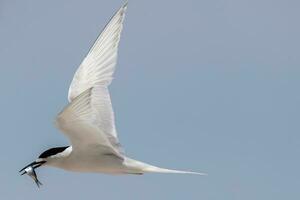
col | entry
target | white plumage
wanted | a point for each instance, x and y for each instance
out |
(99, 64)
(88, 120)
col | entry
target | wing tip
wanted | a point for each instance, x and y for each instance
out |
(123, 9)
(125, 5)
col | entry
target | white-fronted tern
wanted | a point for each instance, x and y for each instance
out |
(88, 120)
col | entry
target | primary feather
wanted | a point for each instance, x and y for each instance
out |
(99, 64)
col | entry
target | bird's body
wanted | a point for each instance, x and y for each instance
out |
(92, 160)
(88, 119)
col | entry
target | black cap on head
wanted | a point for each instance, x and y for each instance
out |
(52, 151)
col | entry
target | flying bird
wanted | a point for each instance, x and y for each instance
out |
(88, 119)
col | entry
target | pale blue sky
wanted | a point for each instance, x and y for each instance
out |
(208, 85)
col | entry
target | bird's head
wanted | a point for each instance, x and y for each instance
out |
(45, 157)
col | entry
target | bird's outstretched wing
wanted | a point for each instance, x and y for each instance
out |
(87, 121)
(99, 64)
(89, 117)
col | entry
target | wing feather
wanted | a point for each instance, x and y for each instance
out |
(99, 64)
(89, 118)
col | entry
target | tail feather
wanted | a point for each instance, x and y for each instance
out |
(135, 166)
(164, 170)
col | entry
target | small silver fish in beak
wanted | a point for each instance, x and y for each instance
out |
(30, 172)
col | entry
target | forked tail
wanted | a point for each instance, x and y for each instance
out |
(164, 170)
(140, 167)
